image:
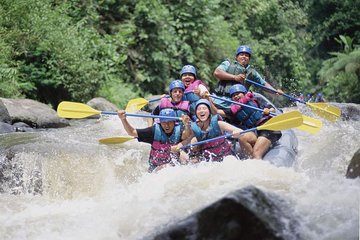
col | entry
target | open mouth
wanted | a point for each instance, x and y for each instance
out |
(167, 129)
(202, 116)
(187, 81)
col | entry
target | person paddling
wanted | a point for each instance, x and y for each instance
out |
(209, 126)
(165, 137)
(254, 144)
(230, 73)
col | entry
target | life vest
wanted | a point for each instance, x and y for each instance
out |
(160, 148)
(235, 68)
(189, 95)
(181, 108)
(246, 118)
(214, 150)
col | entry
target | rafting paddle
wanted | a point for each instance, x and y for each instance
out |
(80, 110)
(310, 125)
(278, 123)
(281, 122)
(324, 110)
(136, 104)
(113, 140)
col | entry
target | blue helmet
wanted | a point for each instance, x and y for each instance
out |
(188, 69)
(243, 49)
(203, 101)
(176, 84)
(167, 112)
(237, 88)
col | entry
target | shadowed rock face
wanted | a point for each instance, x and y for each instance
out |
(4, 114)
(353, 170)
(248, 213)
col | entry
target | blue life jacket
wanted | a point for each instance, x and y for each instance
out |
(214, 150)
(160, 148)
(249, 118)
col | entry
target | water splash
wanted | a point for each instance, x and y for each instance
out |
(95, 191)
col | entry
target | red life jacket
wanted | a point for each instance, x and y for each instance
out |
(181, 108)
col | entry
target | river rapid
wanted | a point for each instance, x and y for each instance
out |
(96, 191)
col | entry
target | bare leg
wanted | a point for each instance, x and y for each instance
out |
(247, 141)
(261, 146)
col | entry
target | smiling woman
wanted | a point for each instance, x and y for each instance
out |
(207, 127)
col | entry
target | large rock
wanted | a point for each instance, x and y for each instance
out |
(353, 170)
(6, 128)
(248, 213)
(102, 104)
(4, 114)
(33, 113)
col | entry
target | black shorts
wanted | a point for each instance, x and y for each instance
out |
(273, 136)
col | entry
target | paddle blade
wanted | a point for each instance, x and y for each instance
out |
(283, 121)
(134, 105)
(310, 125)
(325, 110)
(114, 140)
(75, 110)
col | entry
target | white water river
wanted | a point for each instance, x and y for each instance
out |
(95, 191)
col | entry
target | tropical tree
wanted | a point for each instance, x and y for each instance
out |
(341, 74)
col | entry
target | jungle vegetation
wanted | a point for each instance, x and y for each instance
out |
(55, 50)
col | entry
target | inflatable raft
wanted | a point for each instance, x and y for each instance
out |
(284, 151)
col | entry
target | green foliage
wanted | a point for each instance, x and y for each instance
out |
(55, 50)
(118, 93)
(346, 42)
(344, 87)
(341, 76)
(57, 58)
(330, 18)
(8, 74)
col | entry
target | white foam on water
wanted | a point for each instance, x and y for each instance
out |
(96, 191)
